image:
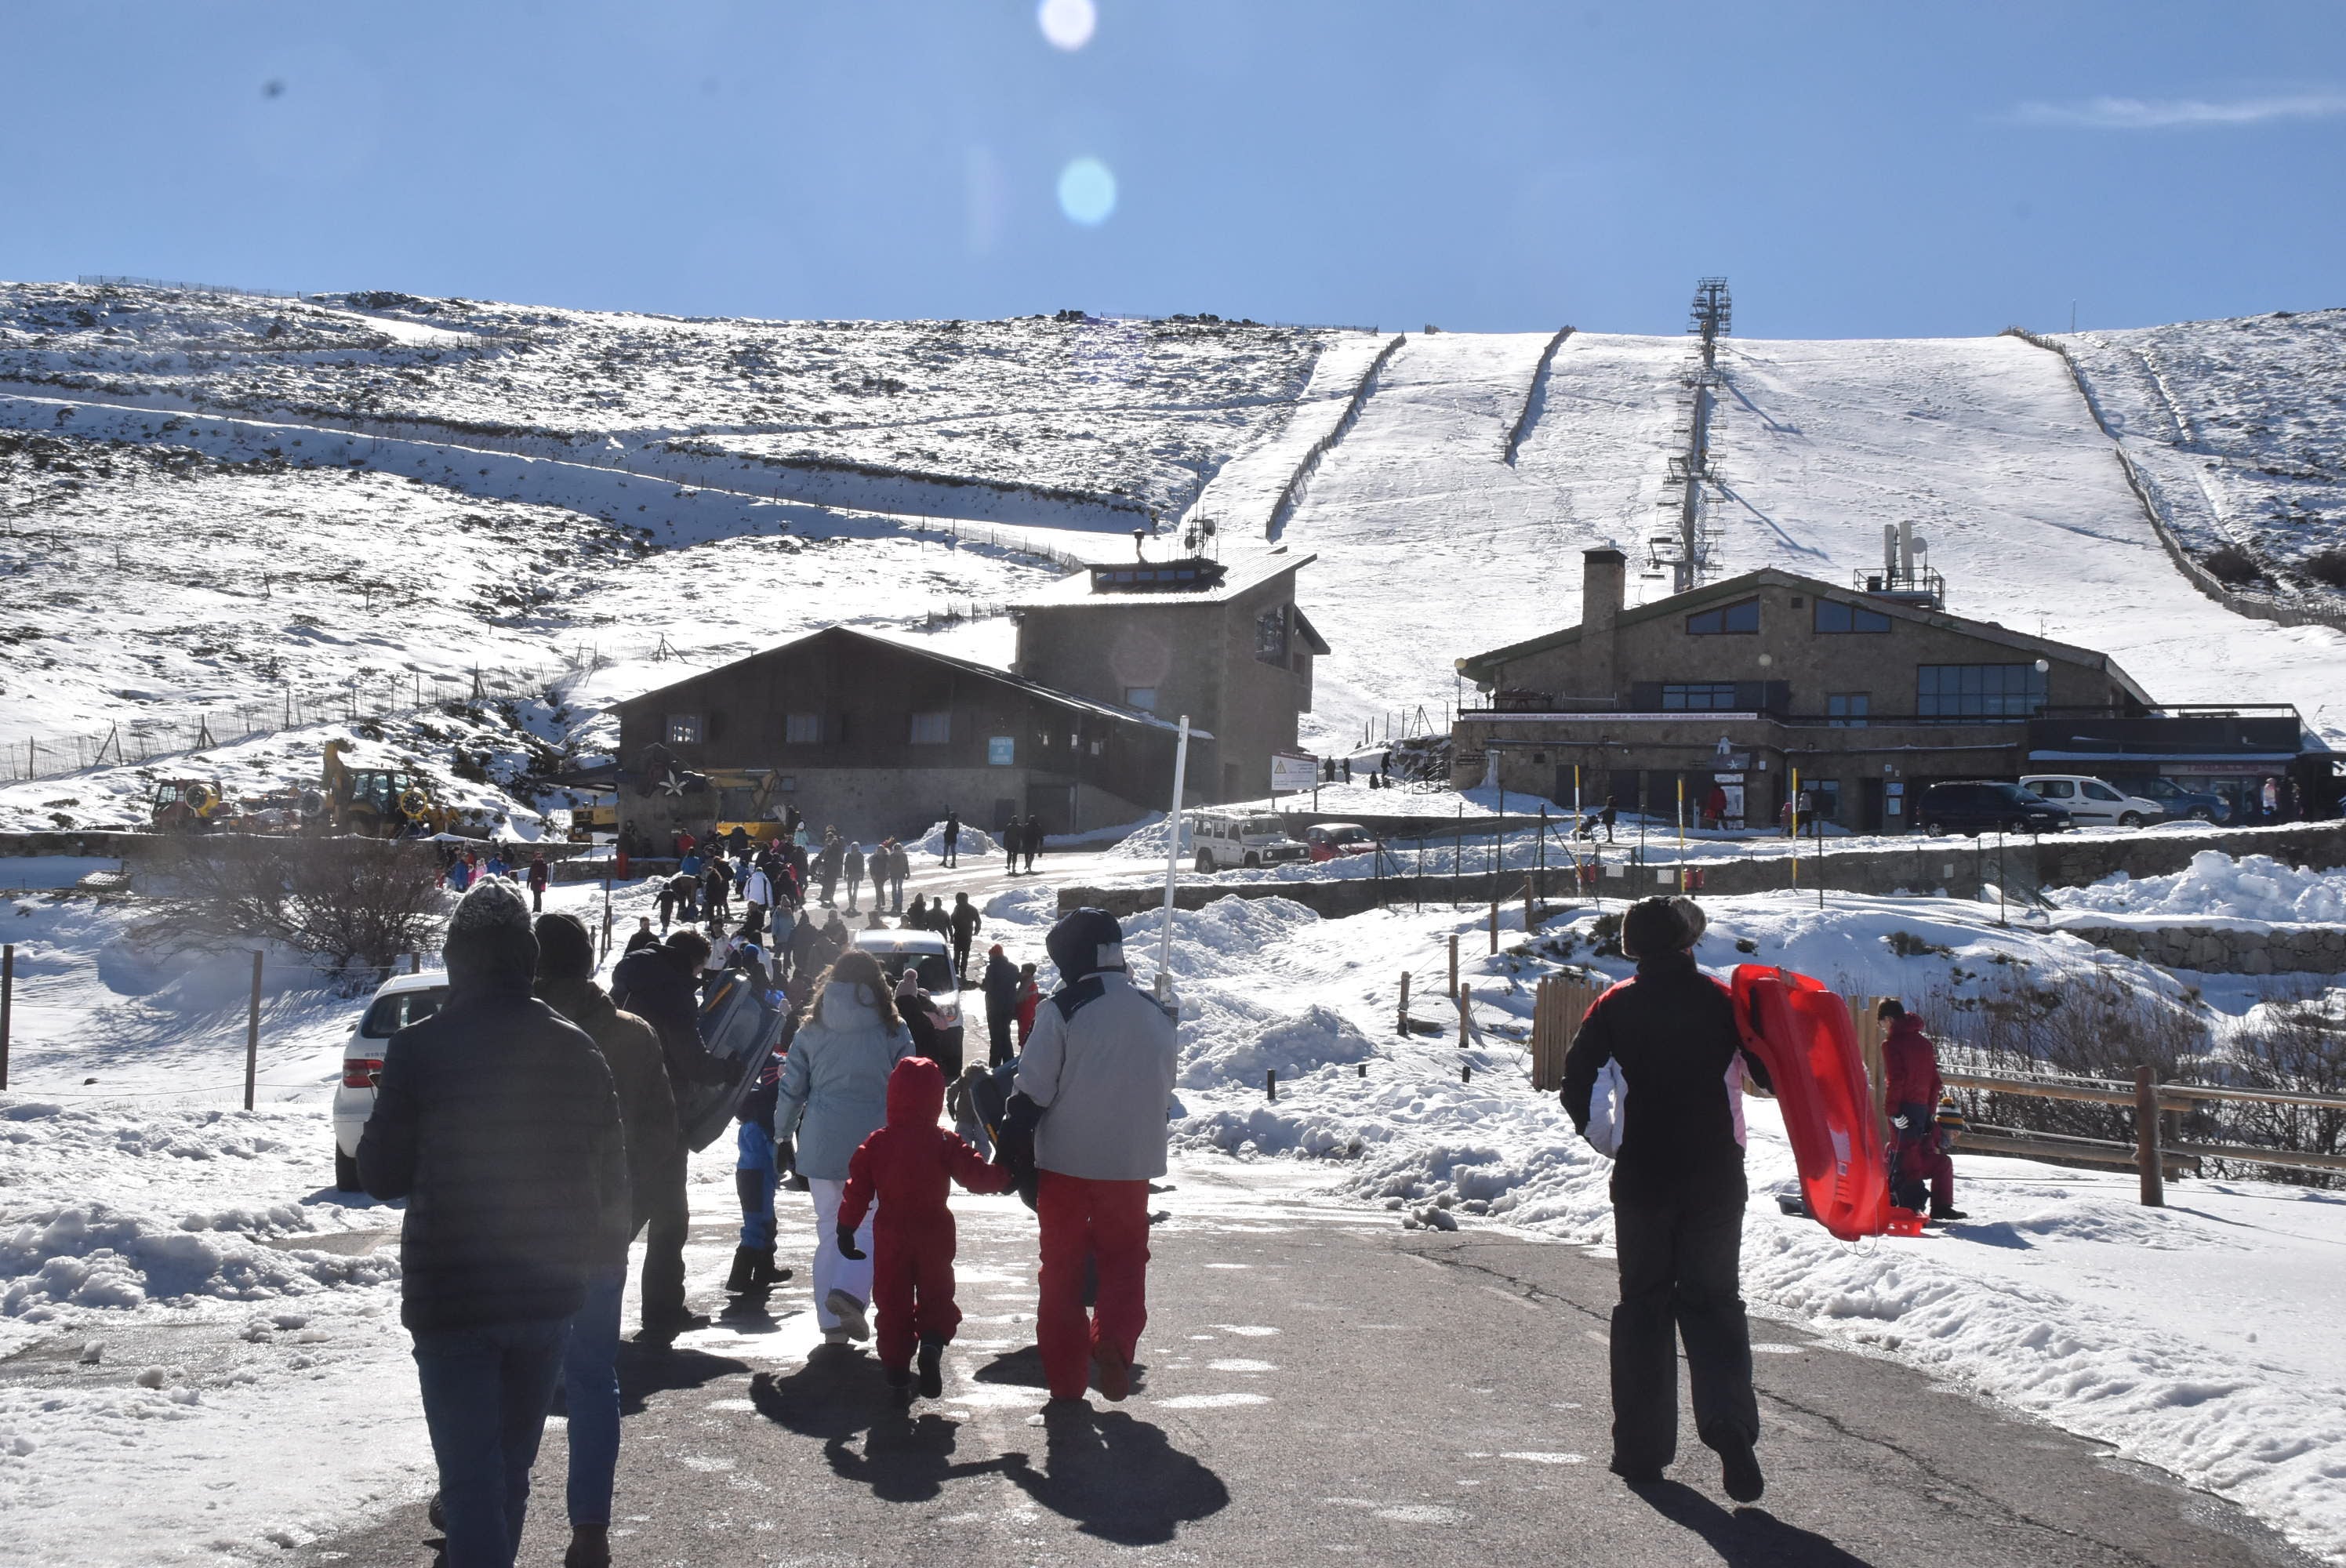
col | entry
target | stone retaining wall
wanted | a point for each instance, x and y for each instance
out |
(2225, 948)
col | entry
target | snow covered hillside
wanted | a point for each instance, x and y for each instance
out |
(2240, 427)
(1139, 410)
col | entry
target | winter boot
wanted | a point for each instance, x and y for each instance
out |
(590, 1547)
(1115, 1375)
(933, 1376)
(1947, 1211)
(744, 1276)
(768, 1276)
(900, 1382)
(850, 1313)
(1739, 1472)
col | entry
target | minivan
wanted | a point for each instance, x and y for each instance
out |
(1979, 805)
(2095, 800)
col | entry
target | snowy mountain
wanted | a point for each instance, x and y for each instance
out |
(226, 514)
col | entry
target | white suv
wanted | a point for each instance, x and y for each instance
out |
(401, 1000)
(1242, 838)
(2093, 802)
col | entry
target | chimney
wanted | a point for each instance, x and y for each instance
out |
(1604, 580)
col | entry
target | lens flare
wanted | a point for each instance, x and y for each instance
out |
(1086, 191)
(1067, 24)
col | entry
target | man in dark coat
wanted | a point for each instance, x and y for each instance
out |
(643, 936)
(1000, 984)
(661, 985)
(1030, 840)
(963, 923)
(590, 1375)
(1666, 1045)
(496, 1120)
(953, 838)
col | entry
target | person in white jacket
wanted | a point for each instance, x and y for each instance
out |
(1098, 1070)
(833, 1096)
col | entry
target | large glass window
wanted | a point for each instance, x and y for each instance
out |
(1741, 616)
(1143, 697)
(803, 729)
(1833, 615)
(1704, 696)
(683, 729)
(1978, 690)
(1848, 709)
(1270, 636)
(932, 728)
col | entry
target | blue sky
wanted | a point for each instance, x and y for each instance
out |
(1855, 170)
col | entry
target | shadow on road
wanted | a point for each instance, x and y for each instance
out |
(1746, 1538)
(1117, 1478)
(644, 1371)
(840, 1394)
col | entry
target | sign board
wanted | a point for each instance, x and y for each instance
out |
(1293, 770)
(1001, 751)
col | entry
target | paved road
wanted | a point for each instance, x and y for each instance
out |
(1320, 1384)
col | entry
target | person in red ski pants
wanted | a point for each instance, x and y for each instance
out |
(909, 1164)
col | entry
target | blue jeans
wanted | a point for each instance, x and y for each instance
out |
(486, 1393)
(754, 1177)
(590, 1386)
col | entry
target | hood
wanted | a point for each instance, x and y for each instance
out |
(580, 1001)
(1087, 942)
(916, 1093)
(849, 1004)
(1906, 1025)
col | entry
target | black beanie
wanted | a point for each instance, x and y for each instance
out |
(565, 950)
(1654, 927)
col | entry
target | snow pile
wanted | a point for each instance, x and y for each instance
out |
(973, 842)
(2253, 887)
(93, 1254)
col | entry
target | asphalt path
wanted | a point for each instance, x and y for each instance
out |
(1316, 1383)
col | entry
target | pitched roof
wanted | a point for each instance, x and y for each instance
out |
(1477, 667)
(968, 667)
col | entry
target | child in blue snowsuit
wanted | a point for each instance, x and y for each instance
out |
(754, 1177)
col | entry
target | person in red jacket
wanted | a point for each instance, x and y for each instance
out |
(908, 1165)
(1910, 1063)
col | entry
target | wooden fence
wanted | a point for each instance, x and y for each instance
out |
(1559, 1003)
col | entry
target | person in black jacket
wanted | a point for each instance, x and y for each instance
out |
(497, 1119)
(1001, 983)
(1665, 1046)
(962, 924)
(661, 986)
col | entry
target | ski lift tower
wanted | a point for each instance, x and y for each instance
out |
(1689, 553)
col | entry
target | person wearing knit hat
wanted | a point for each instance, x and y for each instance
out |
(999, 983)
(1665, 1042)
(496, 1120)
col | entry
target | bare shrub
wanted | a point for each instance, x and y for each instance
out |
(2230, 564)
(353, 900)
(2327, 567)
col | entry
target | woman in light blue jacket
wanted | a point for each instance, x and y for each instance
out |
(833, 1096)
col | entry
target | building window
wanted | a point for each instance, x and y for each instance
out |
(1703, 697)
(1820, 800)
(1833, 615)
(803, 729)
(1739, 618)
(683, 729)
(1978, 690)
(1143, 697)
(1847, 709)
(1270, 636)
(1001, 751)
(933, 728)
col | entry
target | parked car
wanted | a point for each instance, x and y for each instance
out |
(1335, 841)
(401, 1000)
(2200, 805)
(1976, 806)
(1242, 838)
(929, 956)
(2095, 800)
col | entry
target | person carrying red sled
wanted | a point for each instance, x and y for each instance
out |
(1666, 1044)
(1910, 1065)
(908, 1165)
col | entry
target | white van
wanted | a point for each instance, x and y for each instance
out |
(401, 1000)
(2095, 802)
(1242, 838)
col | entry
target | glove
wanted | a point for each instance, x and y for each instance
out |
(847, 1248)
(1898, 1122)
(786, 1157)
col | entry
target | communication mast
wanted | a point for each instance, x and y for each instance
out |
(1685, 555)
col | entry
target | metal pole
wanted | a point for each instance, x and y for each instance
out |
(1172, 862)
(1794, 806)
(7, 1004)
(252, 1035)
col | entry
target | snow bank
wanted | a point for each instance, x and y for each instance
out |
(973, 842)
(2253, 887)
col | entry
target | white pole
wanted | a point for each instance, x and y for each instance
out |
(1172, 863)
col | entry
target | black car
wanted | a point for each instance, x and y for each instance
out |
(1980, 806)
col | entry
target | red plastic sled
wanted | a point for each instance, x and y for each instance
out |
(1801, 1031)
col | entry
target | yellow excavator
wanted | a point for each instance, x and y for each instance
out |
(190, 806)
(375, 802)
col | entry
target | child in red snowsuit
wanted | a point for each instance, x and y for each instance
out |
(908, 1165)
(1910, 1067)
